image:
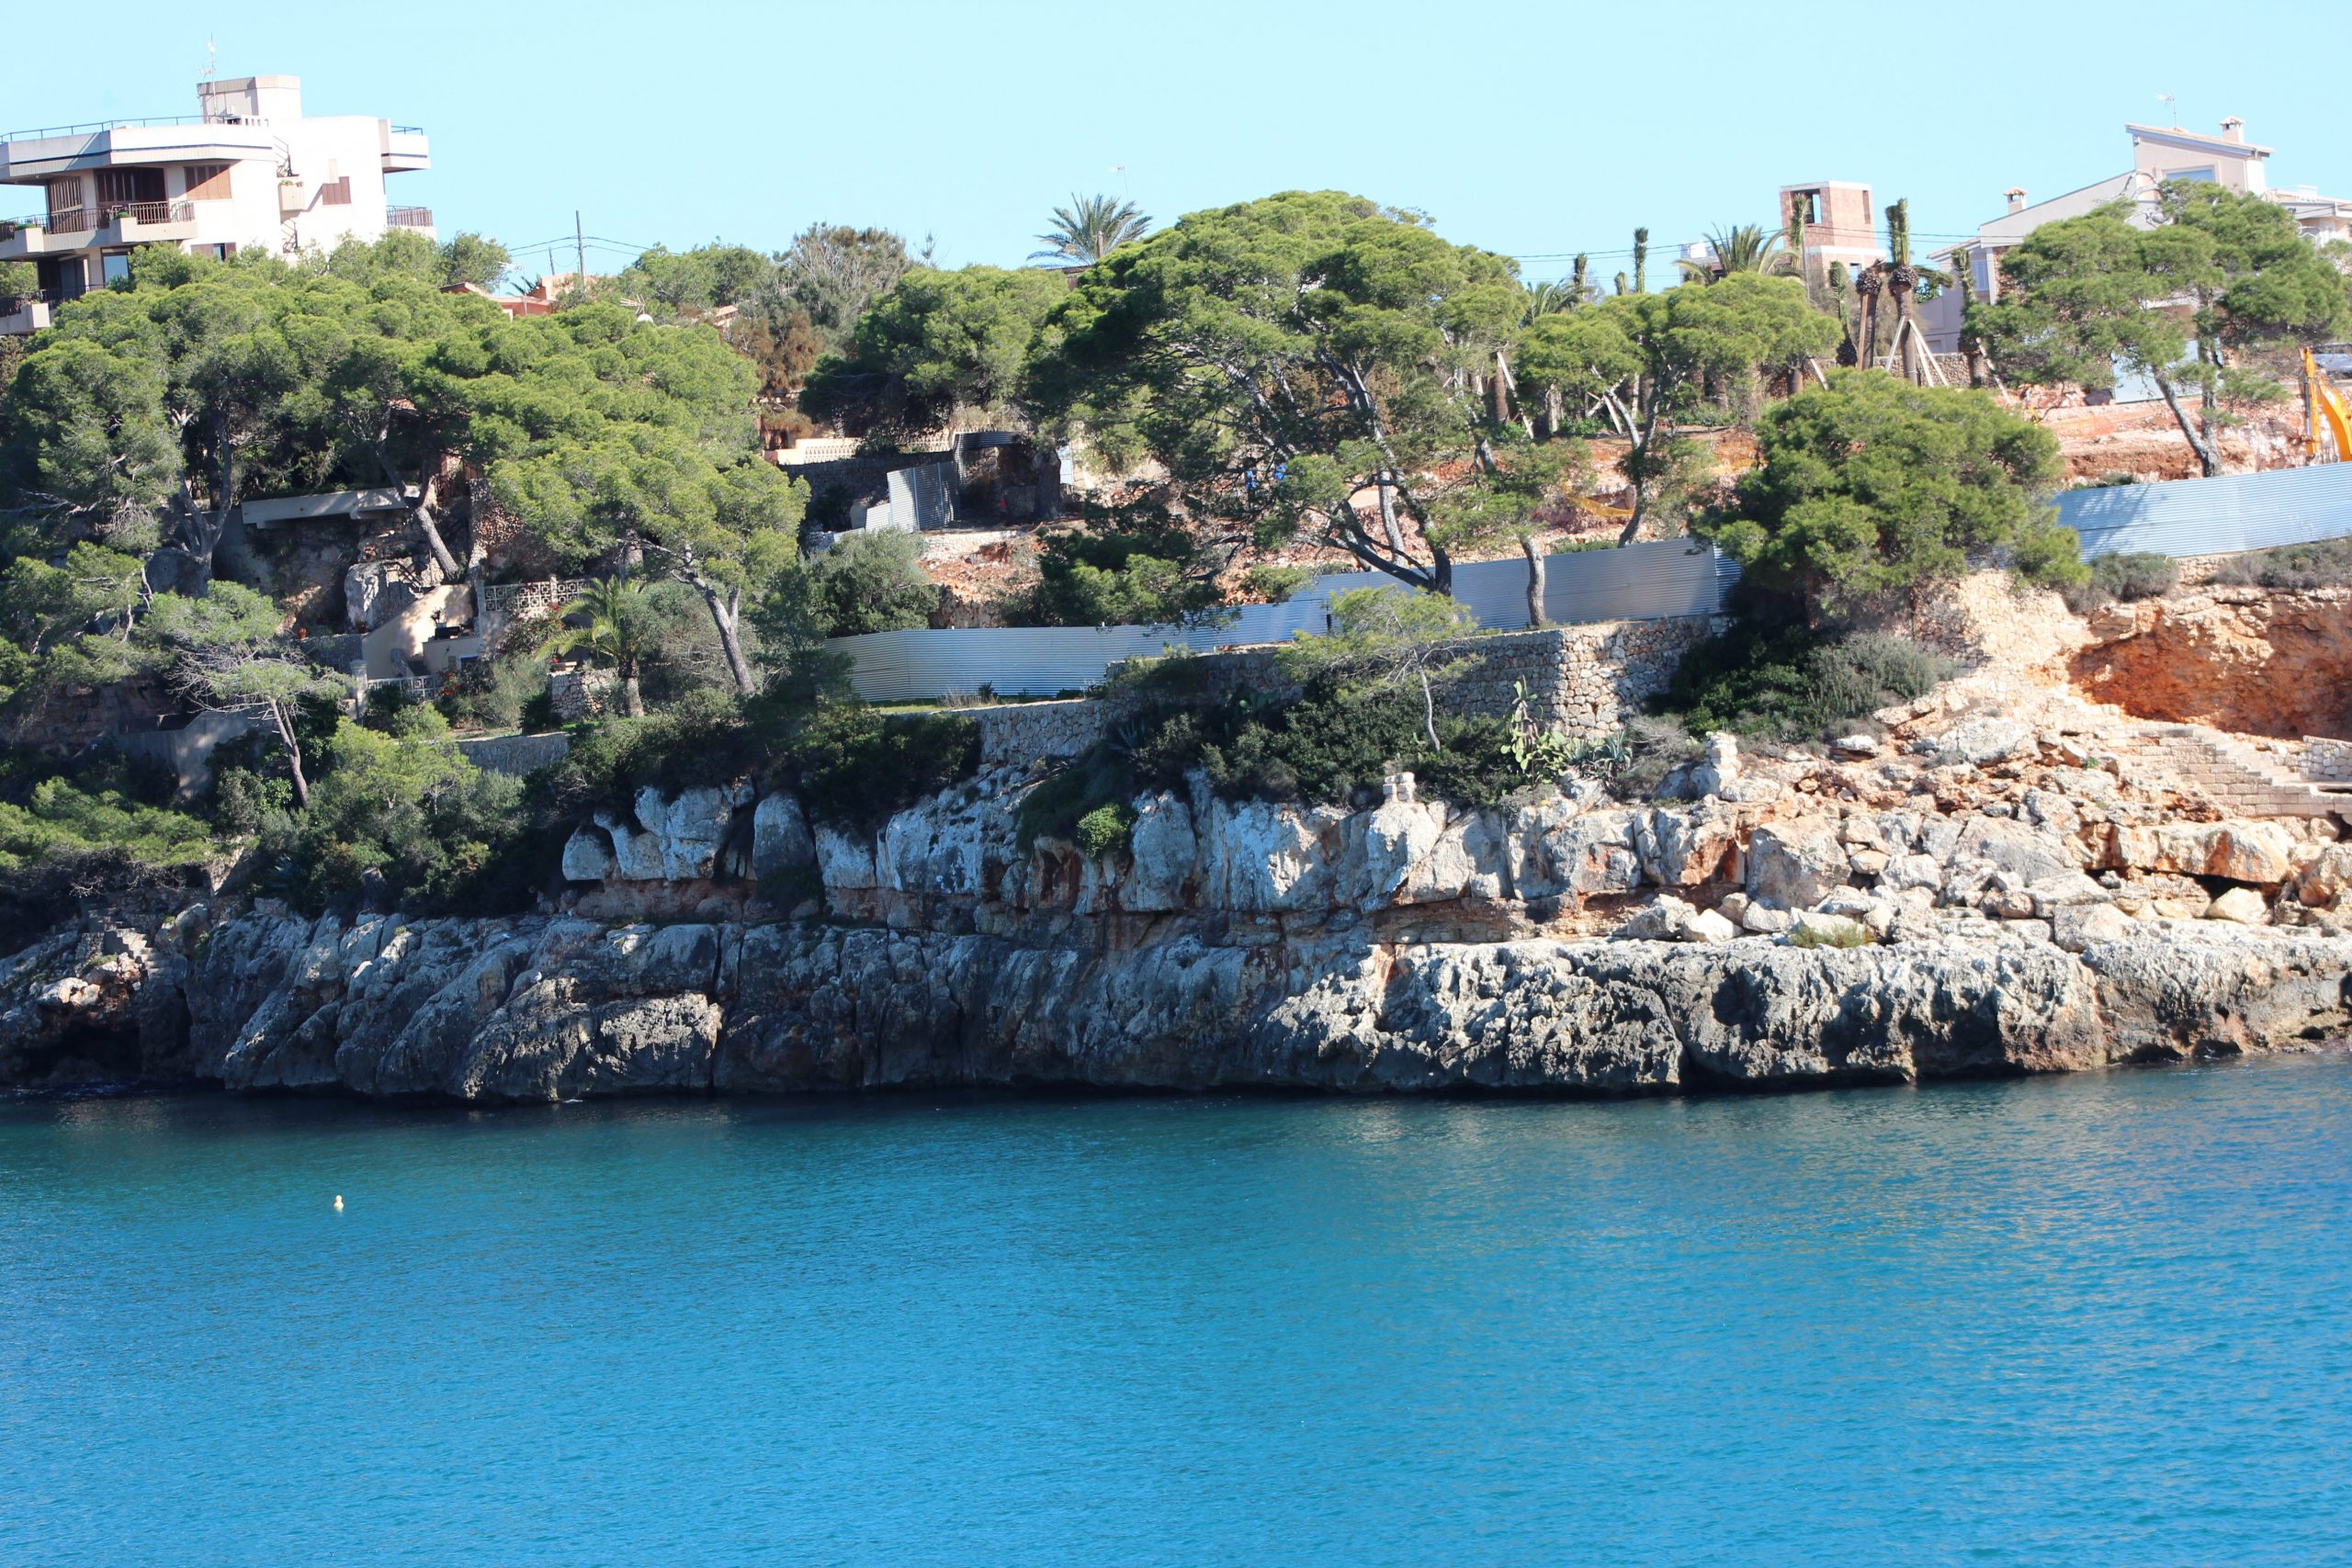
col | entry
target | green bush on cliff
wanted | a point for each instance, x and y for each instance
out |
(1790, 682)
(1105, 829)
(853, 767)
(2324, 563)
(1333, 745)
(2130, 576)
(401, 821)
(73, 830)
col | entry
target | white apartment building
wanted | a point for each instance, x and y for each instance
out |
(2159, 154)
(249, 171)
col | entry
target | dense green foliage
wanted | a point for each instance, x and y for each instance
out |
(400, 820)
(1784, 680)
(1873, 490)
(936, 344)
(1315, 332)
(873, 581)
(1130, 572)
(853, 767)
(99, 825)
(2085, 295)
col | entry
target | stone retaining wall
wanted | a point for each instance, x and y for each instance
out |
(1583, 681)
(516, 754)
(1024, 732)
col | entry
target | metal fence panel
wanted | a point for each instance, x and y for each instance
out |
(2215, 517)
(1646, 582)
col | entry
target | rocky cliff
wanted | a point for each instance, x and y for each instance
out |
(556, 1008)
(1986, 886)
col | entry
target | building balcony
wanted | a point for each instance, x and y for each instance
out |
(27, 156)
(22, 239)
(405, 149)
(80, 228)
(409, 216)
(23, 314)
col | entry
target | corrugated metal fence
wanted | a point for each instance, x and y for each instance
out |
(2213, 518)
(1646, 582)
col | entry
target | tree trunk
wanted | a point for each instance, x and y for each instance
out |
(1441, 571)
(726, 615)
(632, 698)
(1534, 579)
(284, 723)
(1389, 514)
(422, 511)
(2207, 460)
(1428, 712)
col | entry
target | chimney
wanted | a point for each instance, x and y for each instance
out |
(2233, 130)
(2016, 197)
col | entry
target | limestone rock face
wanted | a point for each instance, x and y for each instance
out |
(1980, 742)
(1795, 866)
(539, 1008)
(1164, 852)
(781, 841)
(1718, 767)
(2241, 906)
(588, 855)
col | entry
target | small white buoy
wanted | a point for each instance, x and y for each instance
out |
(339, 1202)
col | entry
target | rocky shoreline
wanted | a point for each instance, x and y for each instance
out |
(1999, 879)
(544, 1010)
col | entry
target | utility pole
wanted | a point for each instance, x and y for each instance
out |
(580, 248)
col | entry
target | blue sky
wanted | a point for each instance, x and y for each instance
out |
(1535, 130)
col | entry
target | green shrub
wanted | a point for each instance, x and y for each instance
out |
(1105, 829)
(2128, 577)
(703, 740)
(1791, 683)
(1127, 572)
(853, 768)
(874, 582)
(2324, 563)
(1635, 762)
(498, 693)
(401, 820)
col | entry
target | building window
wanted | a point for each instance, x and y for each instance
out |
(123, 188)
(335, 193)
(207, 182)
(222, 252)
(116, 266)
(64, 195)
(2204, 173)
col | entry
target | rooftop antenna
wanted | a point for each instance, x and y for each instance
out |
(2170, 112)
(1121, 170)
(211, 57)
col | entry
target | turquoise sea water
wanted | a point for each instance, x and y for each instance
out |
(2104, 1319)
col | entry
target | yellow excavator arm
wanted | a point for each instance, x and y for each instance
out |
(2328, 413)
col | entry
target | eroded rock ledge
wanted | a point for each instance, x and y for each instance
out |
(555, 1009)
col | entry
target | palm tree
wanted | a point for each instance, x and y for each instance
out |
(623, 626)
(1743, 247)
(1090, 228)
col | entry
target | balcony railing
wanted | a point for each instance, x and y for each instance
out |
(80, 220)
(94, 127)
(12, 303)
(409, 216)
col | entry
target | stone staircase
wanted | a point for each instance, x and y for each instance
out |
(2238, 779)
